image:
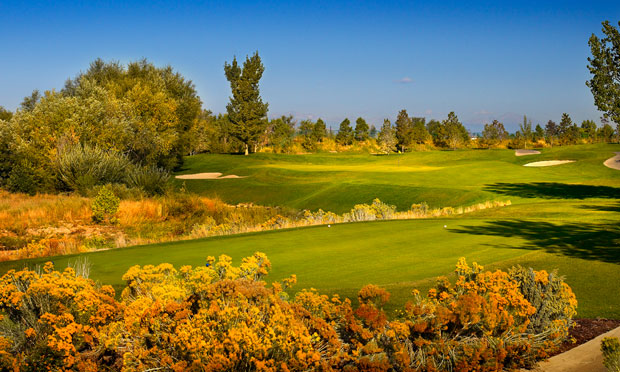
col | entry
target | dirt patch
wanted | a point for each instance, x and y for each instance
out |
(206, 176)
(583, 354)
(522, 152)
(548, 163)
(613, 163)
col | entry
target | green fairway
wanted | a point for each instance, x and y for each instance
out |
(564, 217)
(336, 182)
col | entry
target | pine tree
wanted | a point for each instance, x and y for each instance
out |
(345, 133)
(319, 131)
(246, 111)
(361, 129)
(404, 130)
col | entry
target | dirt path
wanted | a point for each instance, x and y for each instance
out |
(547, 163)
(523, 152)
(583, 358)
(613, 163)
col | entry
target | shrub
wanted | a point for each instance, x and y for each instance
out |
(610, 347)
(24, 178)
(553, 299)
(105, 206)
(81, 168)
(51, 320)
(150, 179)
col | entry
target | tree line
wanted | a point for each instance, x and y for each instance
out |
(133, 124)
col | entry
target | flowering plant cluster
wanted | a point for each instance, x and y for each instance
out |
(221, 317)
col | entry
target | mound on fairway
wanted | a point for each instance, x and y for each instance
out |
(613, 163)
(523, 152)
(206, 176)
(548, 163)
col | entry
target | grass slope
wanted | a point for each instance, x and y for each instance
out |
(336, 182)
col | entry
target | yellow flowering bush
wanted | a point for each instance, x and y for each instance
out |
(222, 317)
(51, 320)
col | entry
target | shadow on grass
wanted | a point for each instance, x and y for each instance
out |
(554, 190)
(599, 242)
(602, 208)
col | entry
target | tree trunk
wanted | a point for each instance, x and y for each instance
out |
(246, 149)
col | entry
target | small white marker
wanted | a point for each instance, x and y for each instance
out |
(329, 225)
(445, 226)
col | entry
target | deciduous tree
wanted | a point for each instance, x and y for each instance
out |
(605, 69)
(387, 137)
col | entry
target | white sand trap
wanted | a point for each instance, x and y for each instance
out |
(613, 163)
(547, 163)
(206, 176)
(522, 152)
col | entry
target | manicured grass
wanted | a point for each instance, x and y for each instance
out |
(564, 217)
(336, 182)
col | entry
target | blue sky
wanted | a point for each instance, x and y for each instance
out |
(329, 59)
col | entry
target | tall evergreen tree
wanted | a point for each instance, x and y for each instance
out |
(539, 133)
(320, 130)
(404, 130)
(246, 111)
(588, 128)
(564, 129)
(361, 129)
(419, 134)
(551, 130)
(345, 133)
(456, 134)
(373, 131)
(526, 130)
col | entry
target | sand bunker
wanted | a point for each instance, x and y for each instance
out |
(206, 176)
(547, 163)
(523, 152)
(613, 163)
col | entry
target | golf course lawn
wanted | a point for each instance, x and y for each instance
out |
(564, 217)
(336, 182)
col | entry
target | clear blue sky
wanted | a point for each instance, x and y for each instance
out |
(329, 59)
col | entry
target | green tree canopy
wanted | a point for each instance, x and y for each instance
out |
(419, 134)
(605, 69)
(494, 133)
(345, 133)
(588, 128)
(387, 137)
(526, 130)
(246, 111)
(404, 130)
(361, 129)
(320, 130)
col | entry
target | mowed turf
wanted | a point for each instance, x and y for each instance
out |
(336, 182)
(564, 217)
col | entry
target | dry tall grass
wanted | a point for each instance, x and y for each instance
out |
(49, 225)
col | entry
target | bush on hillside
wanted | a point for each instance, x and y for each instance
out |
(81, 168)
(150, 179)
(105, 206)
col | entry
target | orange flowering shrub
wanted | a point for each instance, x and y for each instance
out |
(221, 317)
(51, 320)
